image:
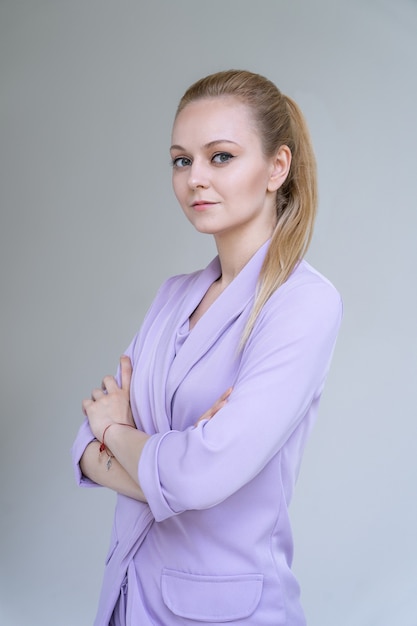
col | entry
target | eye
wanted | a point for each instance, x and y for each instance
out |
(222, 157)
(181, 162)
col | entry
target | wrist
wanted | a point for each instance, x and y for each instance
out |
(103, 444)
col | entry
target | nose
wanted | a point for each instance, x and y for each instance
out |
(198, 176)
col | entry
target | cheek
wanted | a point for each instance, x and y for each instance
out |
(178, 187)
(249, 180)
(254, 185)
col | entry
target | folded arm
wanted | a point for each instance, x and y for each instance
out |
(121, 443)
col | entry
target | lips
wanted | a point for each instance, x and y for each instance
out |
(201, 205)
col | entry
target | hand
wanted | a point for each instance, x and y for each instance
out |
(110, 404)
(219, 404)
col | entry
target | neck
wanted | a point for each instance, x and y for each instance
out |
(234, 252)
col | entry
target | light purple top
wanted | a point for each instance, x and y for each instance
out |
(214, 545)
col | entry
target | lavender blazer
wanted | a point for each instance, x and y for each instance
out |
(214, 543)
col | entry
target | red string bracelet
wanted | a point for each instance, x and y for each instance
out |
(103, 445)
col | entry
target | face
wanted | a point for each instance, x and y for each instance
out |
(221, 178)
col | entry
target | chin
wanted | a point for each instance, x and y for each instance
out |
(205, 228)
(205, 231)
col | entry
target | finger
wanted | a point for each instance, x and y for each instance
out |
(125, 373)
(226, 394)
(96, 394)
(109, 384)
(86, 405)
(211, 412)
(205, 416)
(219, 405)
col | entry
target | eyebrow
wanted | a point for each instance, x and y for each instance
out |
(210, 144)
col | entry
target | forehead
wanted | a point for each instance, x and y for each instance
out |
(209, 119)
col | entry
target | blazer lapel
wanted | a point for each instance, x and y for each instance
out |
(159, 346)
(221, 314)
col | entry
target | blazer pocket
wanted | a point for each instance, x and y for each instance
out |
(211, 598)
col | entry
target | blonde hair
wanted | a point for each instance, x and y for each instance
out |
(279, 122)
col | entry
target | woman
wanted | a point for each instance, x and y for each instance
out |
(202, 432)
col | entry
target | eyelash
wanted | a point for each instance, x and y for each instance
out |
(175, 161)
(227, 154)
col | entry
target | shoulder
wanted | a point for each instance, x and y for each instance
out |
(304, 273)
(173, 288)
(169, 294)
(296, 330)
(307, 297)
(177, 283)
(183, 283)
(306, 283)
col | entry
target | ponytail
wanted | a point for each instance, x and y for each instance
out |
(296, 211)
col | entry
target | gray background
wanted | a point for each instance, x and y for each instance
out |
(90, 228)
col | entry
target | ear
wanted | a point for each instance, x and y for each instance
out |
(280, 166)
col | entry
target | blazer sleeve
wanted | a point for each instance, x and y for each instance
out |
(84, 435)
(282, 373)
